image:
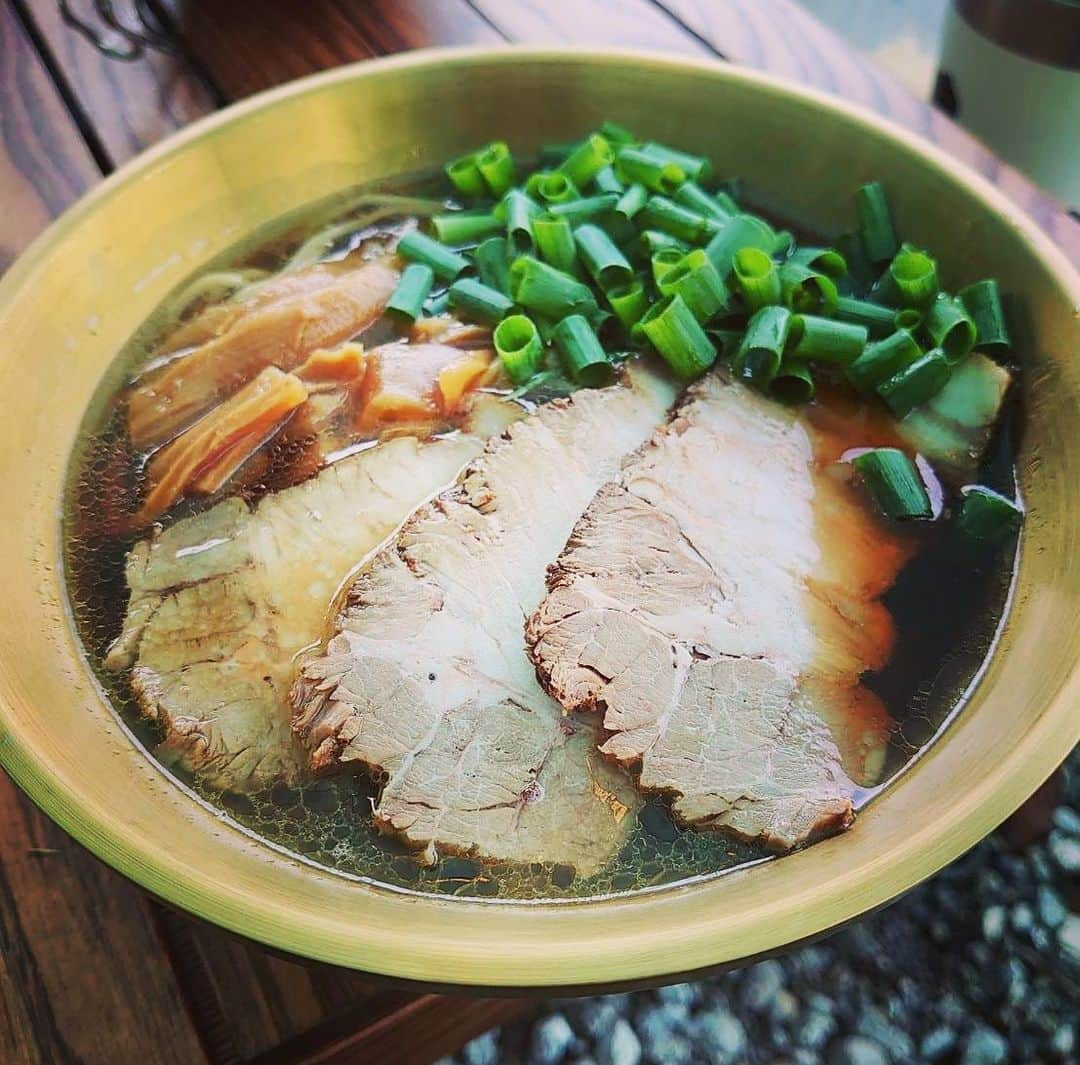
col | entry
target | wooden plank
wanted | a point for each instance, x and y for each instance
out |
(130, 105)
(396, 1027)
(780, 36)
(248, 45)
(629, 23)
(44, 164)
(83, 976)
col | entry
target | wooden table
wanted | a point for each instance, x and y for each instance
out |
(90, 968)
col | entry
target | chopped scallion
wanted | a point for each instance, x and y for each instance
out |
(895, 483)
(987, 515)
(420, 248)
(757, 278)
(983, 303)
(915, 384)
(519, 346)
(758, 357)
(582, 352)
(673, 330)
(413, 288)
(875, 223)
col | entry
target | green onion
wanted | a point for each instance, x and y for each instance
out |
(497, 165)
(413, 287)
(555, 243)
(827, 340)
(673, 330)
(951, 327)
(987, 515)
(983, 303)
(911, 280)
(655, 240)
(551, 186)
(694, 167)
(793, 382)
(465, 227)
(631, 201)
(419, 248)
(492, 264)
(606, 264)
(807, 291)
(783, 243)
(519, 346)
(757, 278)
(587, 160)
(436, 305)
(877, 319)
(635, 166)
(909, 318)
(607, 180)
(915, 384)
(586, 209)
(616, 134)
(726, 197)
(894, 482)
(826, 261)
(693, 197)
(548, 291)
(740, 231)
(667, 216)
(629, 302)
(882, 359)
(758, 357)
(518, 211)
(582, 352)
(697, 280)
(664, 261)
(875, 223)
(479, 301)
(465, 176)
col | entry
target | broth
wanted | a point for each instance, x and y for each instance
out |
(947, 606)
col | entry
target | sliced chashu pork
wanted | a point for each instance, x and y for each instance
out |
(426, 680)
(222, 602)
(718, 602)
(288, 319)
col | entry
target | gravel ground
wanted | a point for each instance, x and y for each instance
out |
(980, 966)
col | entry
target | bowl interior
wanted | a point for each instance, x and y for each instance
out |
(68, 306)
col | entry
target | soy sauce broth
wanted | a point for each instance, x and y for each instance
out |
(947, 603)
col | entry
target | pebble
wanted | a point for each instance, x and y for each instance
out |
(936, 1044)
(1069, 938)
(897, 1043)
(1065, 850)
(679, 995)
(723, 1034)
(552, 1039)
(620, 1046)
(857, 1050)
(1068, 820)
(816, 1030)
(985, 1047)
(1064, 1041)
(483, 1050)
(761, 984)
(598, 1015)
(1052, 910)
(1021, 917)
(785, 1007)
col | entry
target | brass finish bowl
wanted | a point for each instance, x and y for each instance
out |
(76, 296)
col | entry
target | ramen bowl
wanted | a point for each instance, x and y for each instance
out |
(73, 300)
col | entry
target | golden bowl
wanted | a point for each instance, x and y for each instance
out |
(76, 296)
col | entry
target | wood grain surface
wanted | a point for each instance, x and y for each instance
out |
(90, 969)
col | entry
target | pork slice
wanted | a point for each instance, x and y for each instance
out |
(222, 602)
(717, 602)
(426, 680)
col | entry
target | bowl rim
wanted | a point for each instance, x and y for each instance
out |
(927, 849)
